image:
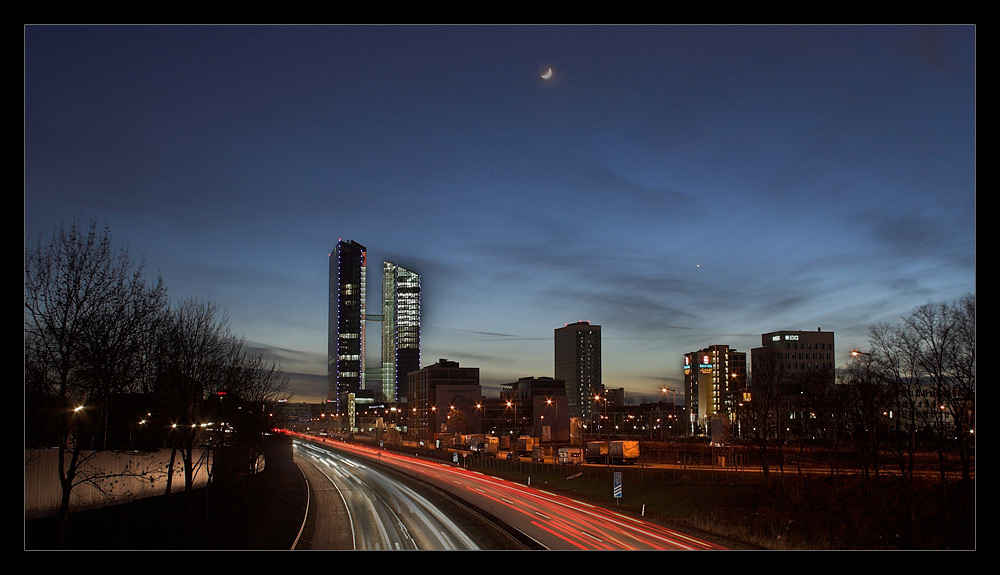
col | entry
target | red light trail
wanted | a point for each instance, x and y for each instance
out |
(554, 521)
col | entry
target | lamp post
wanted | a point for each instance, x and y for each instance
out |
(555, 424)
(673, 408)
(413, 425)
(868, 364)
(514, 424)
(598, 398)
(432, 423)
(426, 421)
(606, 420)
(868, 379)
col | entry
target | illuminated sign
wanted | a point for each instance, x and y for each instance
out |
(706, 364)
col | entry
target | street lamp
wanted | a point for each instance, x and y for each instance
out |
(514, 424)
(673, 407)
(479, 407)
(555, 424)
(868, 364)
(598, 398)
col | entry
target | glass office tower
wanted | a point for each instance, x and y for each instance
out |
(346, 338)
(400, 328)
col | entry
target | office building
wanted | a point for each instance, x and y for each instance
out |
(400, 328)
(609, 412)
(798, 354)
(578, 363)
(537, 406)
(346, 338)
(444, 398)
(713, 378)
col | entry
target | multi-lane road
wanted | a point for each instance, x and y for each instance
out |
(386, 514)
(355, 505)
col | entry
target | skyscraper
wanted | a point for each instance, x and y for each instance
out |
(578, 363)
(346, 338)
(400, 328)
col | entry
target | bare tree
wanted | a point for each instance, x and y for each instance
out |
(96, 333)
(113, 352)
(817, 410)
(894, 358)
(865, 408)
(944, 336)
(192, 360)
(963, 397)
(250, 387)
(929, 363)
(85, 306)
(261, 379)
(762, 411)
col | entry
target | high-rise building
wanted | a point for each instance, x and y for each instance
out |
(797, 354)
(346, 338)
(400, 328)
(578, 363)
(712, 379)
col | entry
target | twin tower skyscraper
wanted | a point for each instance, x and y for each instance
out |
(400, 321)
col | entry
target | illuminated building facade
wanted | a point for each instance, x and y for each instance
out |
(346, 338)
(798, 353)
(578, 363)
(400, 328)
(712, 379)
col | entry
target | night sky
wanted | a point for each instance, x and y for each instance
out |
(679, 186)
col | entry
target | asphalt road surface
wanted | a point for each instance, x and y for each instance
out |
(549, 520)
(355, 503)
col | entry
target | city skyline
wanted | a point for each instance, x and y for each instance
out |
(680, 186)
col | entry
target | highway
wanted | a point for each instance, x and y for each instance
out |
(358, 506)
(552, 521)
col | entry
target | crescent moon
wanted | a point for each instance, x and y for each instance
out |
(546, 73)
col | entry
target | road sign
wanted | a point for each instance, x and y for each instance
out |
(618, 484)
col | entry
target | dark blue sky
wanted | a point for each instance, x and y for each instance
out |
(680, 186)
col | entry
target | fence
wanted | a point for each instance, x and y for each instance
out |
(681, 468)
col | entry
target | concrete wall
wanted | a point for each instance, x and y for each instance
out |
(113, 477)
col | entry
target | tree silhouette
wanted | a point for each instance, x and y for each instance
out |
(87, 313)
